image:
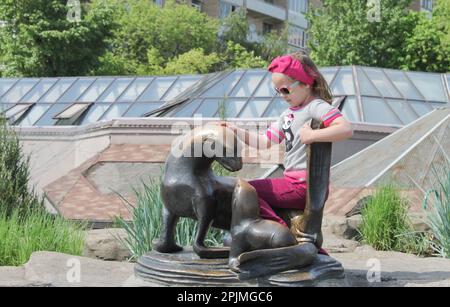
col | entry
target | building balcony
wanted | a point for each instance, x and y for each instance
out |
(297, 19)
(266, 9)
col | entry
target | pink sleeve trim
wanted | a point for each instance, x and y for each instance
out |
(274, 135)
(330, 117)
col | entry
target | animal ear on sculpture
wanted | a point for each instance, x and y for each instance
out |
(209, 147)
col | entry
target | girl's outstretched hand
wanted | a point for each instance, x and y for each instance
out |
(227, 125)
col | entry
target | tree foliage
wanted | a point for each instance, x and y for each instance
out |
(342, 33)
(38, 39)
(428, 48)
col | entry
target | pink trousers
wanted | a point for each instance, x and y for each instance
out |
(282, 192)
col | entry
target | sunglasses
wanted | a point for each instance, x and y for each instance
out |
(287, 90)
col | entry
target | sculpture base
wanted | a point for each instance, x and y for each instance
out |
(187, 269)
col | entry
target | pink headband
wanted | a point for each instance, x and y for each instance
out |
(291, 67)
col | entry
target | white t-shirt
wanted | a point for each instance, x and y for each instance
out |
(288, 126)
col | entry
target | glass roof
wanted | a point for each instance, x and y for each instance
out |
(372, 95)
(111, 97)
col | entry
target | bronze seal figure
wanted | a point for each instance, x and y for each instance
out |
(262, 247)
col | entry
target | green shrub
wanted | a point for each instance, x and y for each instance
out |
(384, 220)
(145, 225)
(437, 202)
(14, 174)
(25, 226)
(386, 225)
(36, 230)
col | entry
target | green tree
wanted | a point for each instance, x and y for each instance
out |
(236, 56)
(273, 44)
(235, 28)
(342, 34)
(39, 39)
(147, 32)
(428, 48)
(194, 61)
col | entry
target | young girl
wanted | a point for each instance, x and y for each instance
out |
(297, 79)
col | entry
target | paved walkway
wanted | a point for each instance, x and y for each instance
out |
(47, 269)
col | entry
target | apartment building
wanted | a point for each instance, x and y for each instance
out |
(267, 15)
(263, 15)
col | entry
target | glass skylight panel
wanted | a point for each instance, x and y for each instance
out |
(232, 107)
(99, 86)
(116, 111)
(403, 110)
(135, 90)
(76, 90)
(47, 118)
(343, 84)
(94, 113)
(140, 108)
(382, 83)
(208, 108)
(365, 86)
(72, 110)
(437, 105)
(247, 84)
(222, 88)
(430, 85)
(4, 106)
(58, 90)
(276, 107)
(19, 90)
(376, 111)
(328, 73)
(188, 109)
(266, 89)
(34, 115)
(420, 107)
(39, 90)
(255, 108)
(157, 89)
(181, 85)
(5, 85)
(115, 90)
(350, 109)
(401, 82)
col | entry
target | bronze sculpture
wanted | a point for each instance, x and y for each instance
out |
(258, 247)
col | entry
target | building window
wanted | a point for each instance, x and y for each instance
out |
(226, 9)
(267, 28)
(298, 6)
(197, 4)
(296, 36)
(159, 2)
(426, 5)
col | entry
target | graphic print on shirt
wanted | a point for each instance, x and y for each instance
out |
(288, 120)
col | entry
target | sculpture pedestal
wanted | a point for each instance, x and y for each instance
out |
(187, 269)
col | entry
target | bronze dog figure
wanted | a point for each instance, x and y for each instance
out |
(191, 189)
